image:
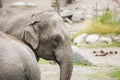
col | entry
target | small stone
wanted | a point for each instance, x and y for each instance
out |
(101, 51)
(111, 52)
(106, 53)
(96, 55)
(116, 52)
(102, 54)
(94, 52)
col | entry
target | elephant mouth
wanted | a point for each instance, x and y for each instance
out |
(48, 56)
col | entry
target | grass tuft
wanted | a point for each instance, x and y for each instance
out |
(115, 73)
(105, 24)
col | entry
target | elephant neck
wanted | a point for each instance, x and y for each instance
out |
(34, 50)
(37, 58)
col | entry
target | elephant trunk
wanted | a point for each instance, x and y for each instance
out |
(65, 61)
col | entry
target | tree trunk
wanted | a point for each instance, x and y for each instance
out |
(69, 1)
(65, 2)
(0, 4)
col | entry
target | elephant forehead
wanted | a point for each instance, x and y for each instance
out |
(44, 15)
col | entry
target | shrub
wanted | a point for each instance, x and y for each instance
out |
(105, 24)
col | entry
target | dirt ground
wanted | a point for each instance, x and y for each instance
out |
(102, 66)
(51, 72)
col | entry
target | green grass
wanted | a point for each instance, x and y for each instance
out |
(80, 64)
(115, 73)
(42, 61)
(98, 75)
(114, 44)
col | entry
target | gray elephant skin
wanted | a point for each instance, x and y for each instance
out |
(45, 33)
(17, 61)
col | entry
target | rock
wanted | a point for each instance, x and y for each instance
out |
(21, 4)
(105, 40)
(111, 52)
(31, 5)
(116, 52)
(80, 38)
(115, 38)
(94, 52)
(93, 38)
(101, 54)
(66, 13)
(18, 4)
(77, 16)
(89, 16)
(101, 51)
(78, 58)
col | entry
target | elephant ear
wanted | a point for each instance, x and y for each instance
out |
(31, 36)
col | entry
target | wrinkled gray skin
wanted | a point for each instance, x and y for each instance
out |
(0, 4)
(17, 61)
(46, 34)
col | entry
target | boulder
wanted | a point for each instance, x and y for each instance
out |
(77, 16)
(66, 13)
(23, 4)
(115, 38)
(105, 40)
(31, 5)
(78, 57)
(18, 4)
(93, 38)
(80, 38)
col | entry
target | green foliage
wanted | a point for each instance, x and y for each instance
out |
(106, 18)
(105, 24)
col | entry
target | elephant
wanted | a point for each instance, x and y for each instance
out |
(17, 61)
(46, 34)
(0, 4)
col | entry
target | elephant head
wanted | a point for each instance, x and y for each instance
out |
(49, 38)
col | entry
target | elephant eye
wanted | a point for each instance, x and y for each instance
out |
(56, 41)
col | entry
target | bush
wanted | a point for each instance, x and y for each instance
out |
(105, 24)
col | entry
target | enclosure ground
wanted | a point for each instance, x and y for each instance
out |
(51, 72)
